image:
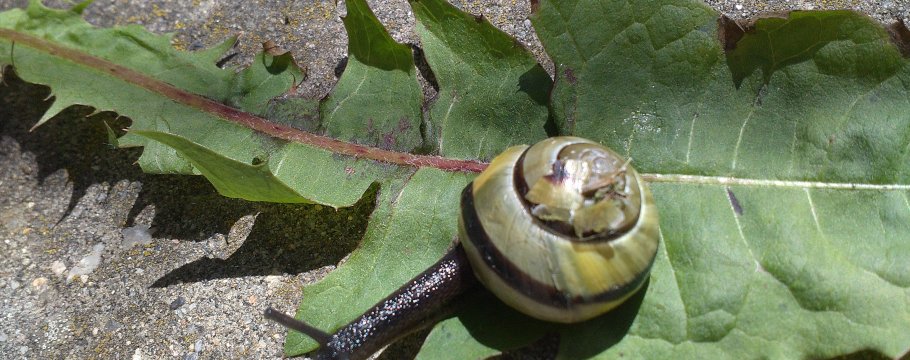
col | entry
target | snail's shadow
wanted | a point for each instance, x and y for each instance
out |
(285, 238)
(498, 326)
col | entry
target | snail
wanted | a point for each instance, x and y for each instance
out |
(563, 231)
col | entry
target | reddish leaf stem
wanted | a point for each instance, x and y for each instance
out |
(243, 118)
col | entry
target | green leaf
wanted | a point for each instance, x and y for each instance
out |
(231, 178)
(377, 100)
(652, 80)
(781, 166)
(492, 92)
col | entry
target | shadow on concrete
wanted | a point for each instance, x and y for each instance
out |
(286, 238)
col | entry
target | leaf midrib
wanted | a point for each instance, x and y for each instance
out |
(291, 134)
(726, 180)
(242, 118)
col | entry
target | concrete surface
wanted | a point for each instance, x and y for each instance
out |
(193, 289)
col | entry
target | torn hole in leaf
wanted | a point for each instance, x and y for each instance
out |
(420, 61)
(729, 32)
(900, 36)
(535, 6)
(279, 63)
(221, 63)
(259, 160)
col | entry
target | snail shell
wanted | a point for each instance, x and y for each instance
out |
(563, 231)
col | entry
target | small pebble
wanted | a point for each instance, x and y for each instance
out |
(177, 303)
(87, 264)
(39, 283)
(112, 326)
(136, 235)
(58, 268)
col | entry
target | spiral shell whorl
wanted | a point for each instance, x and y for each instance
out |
(547, 272)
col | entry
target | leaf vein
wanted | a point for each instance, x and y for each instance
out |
(691, 133)
(739, 140)
(818, 225)
(571, 37)
(727, 181)
(824, 237)
(660, 233)
(445, 117)
(793, 146)
(349, 96)
(739, 227)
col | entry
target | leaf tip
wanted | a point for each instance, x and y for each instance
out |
(57, 106)
(111, 136)
(80, 7)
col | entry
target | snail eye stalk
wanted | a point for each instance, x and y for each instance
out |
(291, 323)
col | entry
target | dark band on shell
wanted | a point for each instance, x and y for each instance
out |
(543, 293)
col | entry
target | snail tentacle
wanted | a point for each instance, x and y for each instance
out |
(289, 322)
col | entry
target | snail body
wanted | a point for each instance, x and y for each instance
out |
(563, 231)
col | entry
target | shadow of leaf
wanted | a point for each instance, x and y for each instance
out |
(71, 141)
(286, 238)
